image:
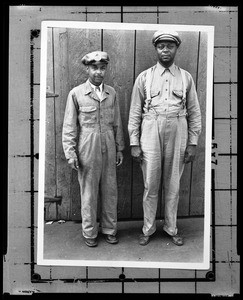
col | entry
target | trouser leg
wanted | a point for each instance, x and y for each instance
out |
(90, 163)
(151, 168)
(109, 195)
(173, 166)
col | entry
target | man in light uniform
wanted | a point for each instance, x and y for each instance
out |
(93, 142)
(164, 126)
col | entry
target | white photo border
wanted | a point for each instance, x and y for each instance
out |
(208, 141)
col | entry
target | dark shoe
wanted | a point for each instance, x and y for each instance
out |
(177, 240)
(90, 242)
(111, 239)
(144, 240)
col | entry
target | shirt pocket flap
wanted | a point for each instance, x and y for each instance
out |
(178, 93)
(154, 93)
(87, 108)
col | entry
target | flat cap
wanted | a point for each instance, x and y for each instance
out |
(95, 57)
(166, 36)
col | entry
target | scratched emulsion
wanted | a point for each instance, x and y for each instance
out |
(21, 274)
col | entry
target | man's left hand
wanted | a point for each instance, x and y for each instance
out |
(119, 158)
(190, 153)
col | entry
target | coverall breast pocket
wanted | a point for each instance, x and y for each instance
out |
(88, 114)
(109, 115)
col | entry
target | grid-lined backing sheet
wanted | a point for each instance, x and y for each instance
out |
(21, 274)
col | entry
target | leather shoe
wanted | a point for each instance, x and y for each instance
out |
(90, 242)
(177, 240)
(144, 239)
(111, 239)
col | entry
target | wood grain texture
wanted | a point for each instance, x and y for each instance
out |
(119, 44)
(198, 166)
(62, 86)
(187, 59)
(50, 143)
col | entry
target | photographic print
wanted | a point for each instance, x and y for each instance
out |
(125, 145)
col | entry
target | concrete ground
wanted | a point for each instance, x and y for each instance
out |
(64, 241)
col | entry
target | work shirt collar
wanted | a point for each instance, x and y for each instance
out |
(89, 87)
(95, 86)
(162, 69)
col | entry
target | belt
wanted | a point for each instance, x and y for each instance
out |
(156, 115)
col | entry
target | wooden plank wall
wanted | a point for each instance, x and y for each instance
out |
(19, 262)
(130, 52)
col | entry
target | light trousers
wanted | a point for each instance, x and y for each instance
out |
(163, 143)
(97, 180)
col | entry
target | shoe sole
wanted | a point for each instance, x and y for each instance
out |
(177, 244)
(144, 243)
(89, 245)
(109, 242)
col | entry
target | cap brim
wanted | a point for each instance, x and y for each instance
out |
(166, 38)
(95, 62)
(98, 62)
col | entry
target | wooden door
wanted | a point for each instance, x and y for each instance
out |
(130, 53)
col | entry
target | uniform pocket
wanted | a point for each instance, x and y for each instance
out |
(154, 94)
(109, 115)
(178, 93)
(88, 114)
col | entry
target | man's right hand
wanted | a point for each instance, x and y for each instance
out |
(136, 153)
(73, 162)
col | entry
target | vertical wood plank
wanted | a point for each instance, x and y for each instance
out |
(119, 45)
(50, 181)
(61, 88)
(198, 170)
(187, 58)
(146, 55)
(187, 54)
(80, 42)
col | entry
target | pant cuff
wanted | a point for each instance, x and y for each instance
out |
(148, 232)
(172, 232)
(109, 231)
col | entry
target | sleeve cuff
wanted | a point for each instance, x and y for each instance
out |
(193, 140)
(134, 141)
(71, 157)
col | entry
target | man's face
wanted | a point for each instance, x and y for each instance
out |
(166, 52)
(96, 73)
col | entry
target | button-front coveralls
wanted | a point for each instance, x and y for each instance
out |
(92, 132)
(163, 128)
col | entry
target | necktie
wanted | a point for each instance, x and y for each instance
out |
(98, 91)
